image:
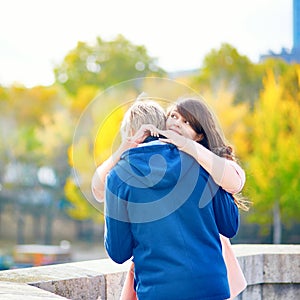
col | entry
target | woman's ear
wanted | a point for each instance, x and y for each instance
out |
(199, 137)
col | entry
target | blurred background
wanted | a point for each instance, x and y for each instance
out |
(244, 60)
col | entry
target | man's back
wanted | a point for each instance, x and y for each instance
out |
(153, 214)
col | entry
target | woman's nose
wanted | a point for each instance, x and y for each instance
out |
(178, 122)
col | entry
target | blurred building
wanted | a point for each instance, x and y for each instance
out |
(293, 55)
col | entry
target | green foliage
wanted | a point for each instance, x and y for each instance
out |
(227, 68)
(104, 64)
(27, 143)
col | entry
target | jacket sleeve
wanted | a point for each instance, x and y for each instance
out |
(118, 238)
(226, 213)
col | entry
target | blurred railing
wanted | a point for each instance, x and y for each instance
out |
(272, 272)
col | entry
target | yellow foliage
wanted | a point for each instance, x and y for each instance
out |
(81, 209)
(233, 119)
(108, 135)
(274, 162)
(70, 156)
(298, 75)
(28, 105)
(82, 162)
(55, 132)
(83, 97)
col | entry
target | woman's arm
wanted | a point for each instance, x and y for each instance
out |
(226, 173)
(99, 177)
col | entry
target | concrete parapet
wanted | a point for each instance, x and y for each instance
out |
(17, 291)
(95, 279)
(272, 272)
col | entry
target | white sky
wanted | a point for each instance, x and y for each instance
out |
(37, 34)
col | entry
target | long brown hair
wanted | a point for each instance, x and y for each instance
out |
(204, 122)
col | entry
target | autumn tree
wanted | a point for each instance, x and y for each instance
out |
(93, 140)
(274, 162)
(232, 117)
(104, 64)
(33, 134)
(226, 68)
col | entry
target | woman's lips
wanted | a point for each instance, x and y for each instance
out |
(173, 129)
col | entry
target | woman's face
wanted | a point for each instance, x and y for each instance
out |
(177, 123)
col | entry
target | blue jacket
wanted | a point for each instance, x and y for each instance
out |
(164, 210)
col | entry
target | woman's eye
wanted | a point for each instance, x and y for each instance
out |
(187, 122)
(173, 116)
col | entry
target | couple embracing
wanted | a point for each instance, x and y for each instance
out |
(171, 204)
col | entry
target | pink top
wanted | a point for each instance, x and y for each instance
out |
(236, 182)
(236, 279)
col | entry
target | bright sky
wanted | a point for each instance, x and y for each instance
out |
(37, 34)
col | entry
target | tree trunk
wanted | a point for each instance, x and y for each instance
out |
(37, 227)
(0, 214)
(20, 229)
(49, 223)
(276, 223)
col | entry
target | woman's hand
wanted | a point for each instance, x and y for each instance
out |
(173, 137)
(145, 131)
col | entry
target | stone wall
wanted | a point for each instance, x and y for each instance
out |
(272, 272)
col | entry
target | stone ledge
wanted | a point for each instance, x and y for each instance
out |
(95, 279)
(269, 263)
(17, 291)
(270, 270)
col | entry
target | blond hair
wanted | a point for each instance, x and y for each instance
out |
(140, 113)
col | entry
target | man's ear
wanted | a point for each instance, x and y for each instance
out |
(199, 137)
(131, 132)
